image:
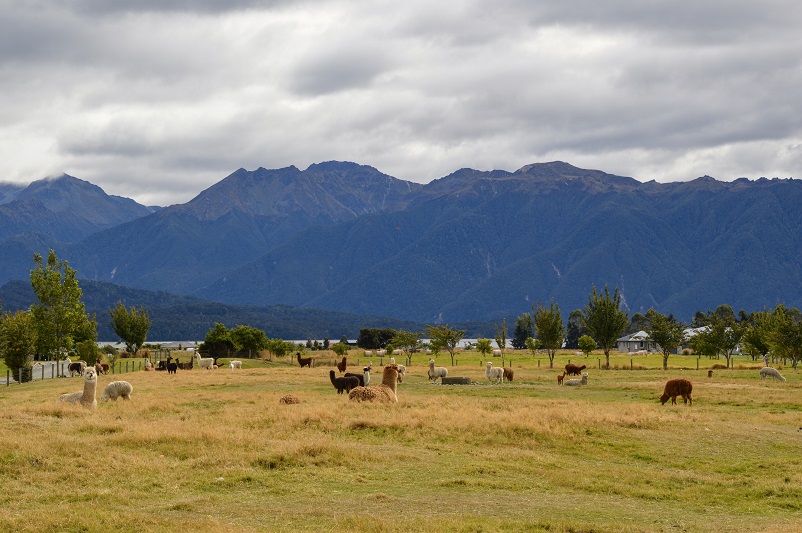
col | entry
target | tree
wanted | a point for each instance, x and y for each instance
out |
(587, 344)
(524, 328)
(757, 337)
(18, 344)
(445, 337)
(406, 340)
(501, 335)
(787, 337)
(374, 338)
(485, 346)
(667, 334)
(550, 329)
(533, 345)
(218, 342)
(604, 319)
(719, 337)
(130, 325)
(574, 329)
(88, 351)
(248, 340)
(341, 349)
(279, 347)
(637, 323)
(59, 314)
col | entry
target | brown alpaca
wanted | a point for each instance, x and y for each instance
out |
(344, 383)
(508, 373)
(574, 370)
(342, 365)
(677, 387)
(305, 361)
(384, 393)
(710, 373)
(87, 397)
(560, 378)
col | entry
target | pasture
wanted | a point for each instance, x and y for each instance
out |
(216, 451)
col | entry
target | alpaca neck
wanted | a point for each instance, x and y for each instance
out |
(90, 387)
(390, 378)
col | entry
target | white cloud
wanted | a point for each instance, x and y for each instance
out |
(159, 100)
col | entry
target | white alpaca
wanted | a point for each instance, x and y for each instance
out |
(235, 364)
(437, 371)
(85, 397)
(494, 374)
(577, 382)
(769, 371)
(205, 362)
(117, 389)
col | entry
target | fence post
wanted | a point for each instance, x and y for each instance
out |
(8, 378)
(599, 362)
(630, 364)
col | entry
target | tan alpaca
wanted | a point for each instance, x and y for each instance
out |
(87, 396)
(384, 393)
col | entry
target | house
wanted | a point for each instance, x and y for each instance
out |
(635, 342)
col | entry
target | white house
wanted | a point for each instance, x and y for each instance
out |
(635, 343)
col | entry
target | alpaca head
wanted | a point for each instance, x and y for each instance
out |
(489, 364)
(431, 362)
(90, 375)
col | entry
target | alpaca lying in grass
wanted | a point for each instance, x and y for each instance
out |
(117, 389)
(364, 377)
(677, 387)
(383, 393)
(577, 382)
(85, 397)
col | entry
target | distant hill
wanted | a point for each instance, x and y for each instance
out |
(471, 246)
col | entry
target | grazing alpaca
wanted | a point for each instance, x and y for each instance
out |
(560, 378)
(364, 377)
(437, 371)
(235, 364)
(344, 383)
(508, 373)
(574, 370)
(577, 382)
(87, 396)
(677, 387)
(117, 389)
(305, 361)
(383, 393)
(342, 365)
(76, 368)
(494, 374)
(769, 371)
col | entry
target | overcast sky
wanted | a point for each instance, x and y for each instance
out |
(157, 100)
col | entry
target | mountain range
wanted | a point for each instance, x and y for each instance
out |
(471, 246)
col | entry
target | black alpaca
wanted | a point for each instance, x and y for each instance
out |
(343, 384)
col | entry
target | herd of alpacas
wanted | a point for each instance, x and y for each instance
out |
(356, 385)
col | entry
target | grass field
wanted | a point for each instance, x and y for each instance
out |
(216, 451)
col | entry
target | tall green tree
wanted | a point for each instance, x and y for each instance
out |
(759, 328)
(533, 345)
(130, 325)
(59, 316)
(484, 346)
(604, 319)
(638, 322)
(524, 328)
(574, 329)
(550, 329)
(667, 334)
(787, 337)
(501, 335)
(18, 344)
(445, 337)
(218, 342)
(374, 338)
(249, 340)
(407, 341)
(720, 337)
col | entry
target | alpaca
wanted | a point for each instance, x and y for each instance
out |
(289, 399)
(508, 373)
(577, 382)
(305, 361)
(117, 389)
(205, 362)
(86, 397)
(560, 378)
(235, 364)
(710, 373)
(187, 366)
(148, 366)
(769, 371)
(342, 365)
(364, 377)
(677, 387)
(437, 372)
(344, 383)
(383, 393)
(77, 367)
(574, 370)
(494, 374)
(172, 366)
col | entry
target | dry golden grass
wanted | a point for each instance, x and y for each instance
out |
(217, 451)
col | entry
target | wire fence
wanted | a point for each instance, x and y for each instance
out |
(60, 369)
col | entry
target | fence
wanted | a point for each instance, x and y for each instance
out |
(53, 369)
